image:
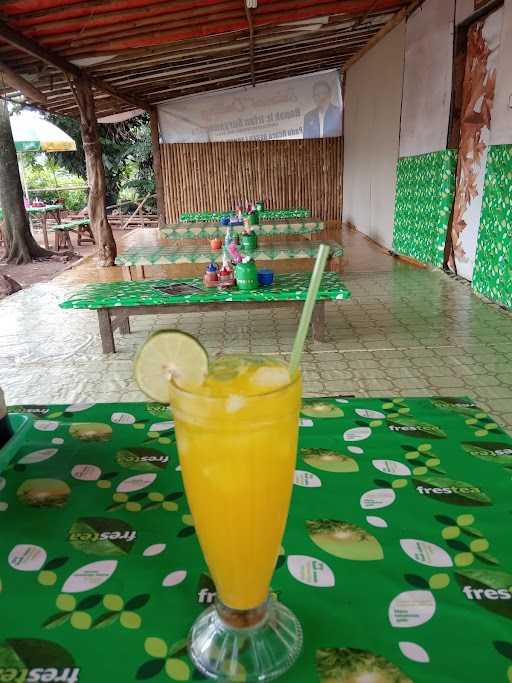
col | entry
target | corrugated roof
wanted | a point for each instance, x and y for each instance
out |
(155, 50)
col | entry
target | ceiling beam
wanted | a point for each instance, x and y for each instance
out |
(32, 48)
(23, 86)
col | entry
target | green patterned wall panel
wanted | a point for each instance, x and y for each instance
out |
(492, 276)
(424, 198)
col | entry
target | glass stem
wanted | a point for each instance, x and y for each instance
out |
(242, 618)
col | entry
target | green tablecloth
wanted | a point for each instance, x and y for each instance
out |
(397, 554)
(270, 214)
(180, 231)
(286, 287)
(38, 209)
(266, 251)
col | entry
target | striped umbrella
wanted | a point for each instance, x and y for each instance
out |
(32, 133)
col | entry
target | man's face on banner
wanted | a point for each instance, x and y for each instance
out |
(322, 95)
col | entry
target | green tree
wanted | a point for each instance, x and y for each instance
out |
(127, 156)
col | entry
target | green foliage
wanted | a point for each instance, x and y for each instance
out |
(127, 156)
(45, 172)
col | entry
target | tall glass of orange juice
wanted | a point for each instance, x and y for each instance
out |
(237, 444)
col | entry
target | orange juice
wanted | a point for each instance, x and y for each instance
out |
(237, 443)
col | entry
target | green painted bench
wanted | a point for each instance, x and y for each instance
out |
(116, 302)
(81, 226)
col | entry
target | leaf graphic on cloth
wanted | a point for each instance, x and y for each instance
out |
(154, 549)
(411, 608)
(149, 669)
(79, 407)
(488, 588)
(328, 460)
(56, 620)
(306, 479)
(503, 648)
(310, 571)
(30, 653)
(345, 540)
(38, 456)
(26, 557)
(106, 619)
(426, 553)
(175, 578)
(357, 434)
(122, 418)
(377, 498)
(135, 483)
(89, 576)
(102, 536)
(349, 665)
(414, 652)
(370, 414)
(391, 467)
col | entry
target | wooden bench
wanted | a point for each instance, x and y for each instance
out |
(116, 302)
(82, 227)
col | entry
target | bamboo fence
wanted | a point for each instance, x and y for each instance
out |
(284, 173)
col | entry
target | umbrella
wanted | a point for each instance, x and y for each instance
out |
(32, 133)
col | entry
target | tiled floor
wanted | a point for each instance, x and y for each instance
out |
(405, 331)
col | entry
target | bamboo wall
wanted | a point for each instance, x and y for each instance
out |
(284, 173)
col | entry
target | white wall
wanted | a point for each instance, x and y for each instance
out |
(501, 126)
(373, 97)
(427, 78)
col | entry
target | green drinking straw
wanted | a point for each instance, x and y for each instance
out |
(307, 311)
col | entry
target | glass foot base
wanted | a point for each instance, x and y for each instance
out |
(259, 652)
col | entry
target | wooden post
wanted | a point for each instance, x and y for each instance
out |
(157, 167)
(101, 229)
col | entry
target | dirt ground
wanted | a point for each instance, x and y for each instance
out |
(42, 271)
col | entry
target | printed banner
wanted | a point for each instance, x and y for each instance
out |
(291, 108)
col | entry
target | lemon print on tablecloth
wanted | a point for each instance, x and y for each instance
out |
(345, 540)
(91, 431)
(321, 409)
(44, 493)
(349, 665)
(328, 460)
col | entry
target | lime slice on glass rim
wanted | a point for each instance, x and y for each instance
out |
(169, 354)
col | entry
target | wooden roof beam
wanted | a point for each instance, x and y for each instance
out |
(23, 86)
(35, 50)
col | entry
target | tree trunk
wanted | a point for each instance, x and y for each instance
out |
(20, 245)
(106, 244)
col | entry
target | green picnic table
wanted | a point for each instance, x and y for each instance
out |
(172, 255)
(267, 214)
(49, 209)
(396, 556)
(181, 231)
(116, 302)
